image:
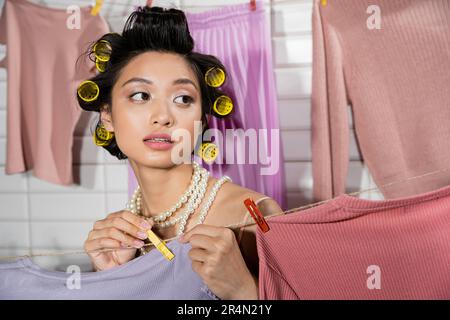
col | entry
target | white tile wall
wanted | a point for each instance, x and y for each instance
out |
(42, 216)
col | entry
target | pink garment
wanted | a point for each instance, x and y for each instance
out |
(42, 110)
(396, 79)
(333, 250)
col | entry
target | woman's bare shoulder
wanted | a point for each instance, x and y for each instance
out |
(231, 210)
(265, 203)
(230, 200)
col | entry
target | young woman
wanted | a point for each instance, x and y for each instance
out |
(153, 83)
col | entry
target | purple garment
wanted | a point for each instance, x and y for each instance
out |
(147, 277)
(240, 38)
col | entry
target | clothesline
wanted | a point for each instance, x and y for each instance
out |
(232, 226)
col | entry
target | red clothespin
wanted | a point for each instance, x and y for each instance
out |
(149, 3)
(253, 5)
(256, 215)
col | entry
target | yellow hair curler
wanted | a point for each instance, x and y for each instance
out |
(88, 91)
(223, 105)
(102, 50)
(208, 152)
(102, 137)
(100, 65)
(215, 77)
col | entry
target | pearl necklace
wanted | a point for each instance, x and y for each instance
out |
(137, 197)
(195, 197)
(194, 201)
(203, 212)
(211, 198)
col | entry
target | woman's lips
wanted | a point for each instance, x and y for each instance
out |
(158, 145)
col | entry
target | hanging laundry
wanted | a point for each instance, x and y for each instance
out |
(150, 276)
(353, 248)
(390, 61)
(42, 78)
(240, 38)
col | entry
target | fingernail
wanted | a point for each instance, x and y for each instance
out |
(142, 235)
(181, 239)
(146, 225)
(138, 243)
(123, 245)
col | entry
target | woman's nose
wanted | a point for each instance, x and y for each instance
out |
(161, 115)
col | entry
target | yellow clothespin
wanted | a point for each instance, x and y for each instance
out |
(98, 6)
(324, 2)
(160, 245)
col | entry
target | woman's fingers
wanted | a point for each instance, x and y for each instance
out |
(101, 243)
(113, 240)
(118, 235)
(138, 221)
(123, 225)
(198, 255)
(202, 242)
(119, 230)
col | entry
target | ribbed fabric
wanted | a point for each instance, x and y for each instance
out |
(240, 38)
(42, 111)
(327, 251)
(396, 80)
(147, 277)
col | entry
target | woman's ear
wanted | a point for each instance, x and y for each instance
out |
(106, 119)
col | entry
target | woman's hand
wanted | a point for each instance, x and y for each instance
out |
(216, 257)
(119, 230)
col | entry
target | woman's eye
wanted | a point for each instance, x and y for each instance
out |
(186, 100)
(140, 96)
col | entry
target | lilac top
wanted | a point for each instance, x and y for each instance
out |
(150, 276)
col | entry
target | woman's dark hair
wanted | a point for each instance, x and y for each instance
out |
(151, 29)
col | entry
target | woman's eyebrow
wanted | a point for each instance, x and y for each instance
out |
(178, 81)
(185, 81)
(137, 80)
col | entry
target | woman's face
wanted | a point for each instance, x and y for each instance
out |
(155, 93)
